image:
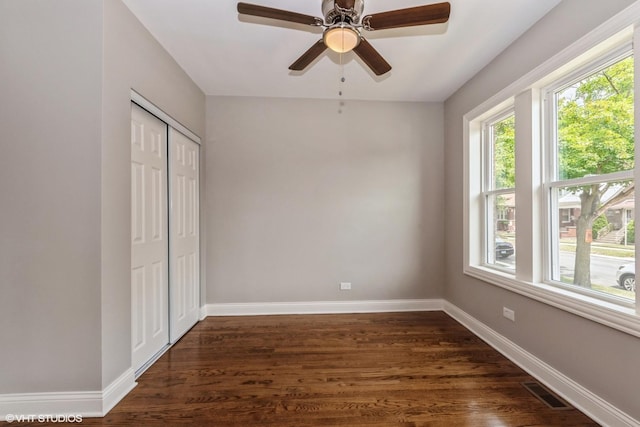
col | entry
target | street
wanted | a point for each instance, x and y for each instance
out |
(603, 268)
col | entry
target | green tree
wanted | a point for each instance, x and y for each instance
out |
(595, 137)
(504, 137)
(631, 233)
(599, 224)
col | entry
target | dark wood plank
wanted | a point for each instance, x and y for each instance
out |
(391, 369)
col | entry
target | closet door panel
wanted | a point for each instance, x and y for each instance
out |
(184, 238)
(149, 237)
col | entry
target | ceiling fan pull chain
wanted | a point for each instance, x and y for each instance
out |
(340, 85)
(341, 75)
(341, 68)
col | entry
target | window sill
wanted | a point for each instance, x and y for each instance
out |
(615, 316)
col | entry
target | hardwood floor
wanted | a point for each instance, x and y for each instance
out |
(389, 369)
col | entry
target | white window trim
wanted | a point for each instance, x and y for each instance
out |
(488, 189)
(552, 209)
(609, 36)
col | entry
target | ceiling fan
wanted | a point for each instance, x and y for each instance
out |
(343, 24)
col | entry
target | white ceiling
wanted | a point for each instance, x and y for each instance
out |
(226, 54)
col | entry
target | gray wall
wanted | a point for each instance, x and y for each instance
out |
(50, 107)
(301, 197)
(599, 358)
(65, 77)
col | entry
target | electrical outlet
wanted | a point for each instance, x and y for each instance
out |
(509, 314)
(345, 286)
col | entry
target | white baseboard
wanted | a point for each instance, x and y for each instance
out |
(84, 403)
(117, 390)
(594, 406)
(321, 307)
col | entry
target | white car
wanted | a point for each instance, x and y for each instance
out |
(626, 276)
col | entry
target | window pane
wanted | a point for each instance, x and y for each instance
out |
(502, 236)
(595, 123)
(595, 238)
(504, 159)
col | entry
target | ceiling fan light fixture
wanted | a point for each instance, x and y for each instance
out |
(341, 38)
(343, 22)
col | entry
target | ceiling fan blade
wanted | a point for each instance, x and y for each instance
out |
(421, 15)
(346, 4)
(282, 15)
(371, 57)
(308, 57)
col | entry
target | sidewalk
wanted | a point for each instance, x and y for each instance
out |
(597, 248)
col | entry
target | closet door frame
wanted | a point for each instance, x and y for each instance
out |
(172, 125)
(147, 105)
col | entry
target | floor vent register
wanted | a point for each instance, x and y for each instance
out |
(548, 397)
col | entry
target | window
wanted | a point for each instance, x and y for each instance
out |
(556, 151)
(592, 160)
(499, 191)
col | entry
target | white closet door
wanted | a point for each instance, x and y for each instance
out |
(149, 237)
(184, 251)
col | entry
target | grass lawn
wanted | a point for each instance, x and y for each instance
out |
(605, 289)
(603, 249)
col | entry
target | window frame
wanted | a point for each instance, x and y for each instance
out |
(527, 94)
(551, 233)
(552, 182)
(488, 188)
